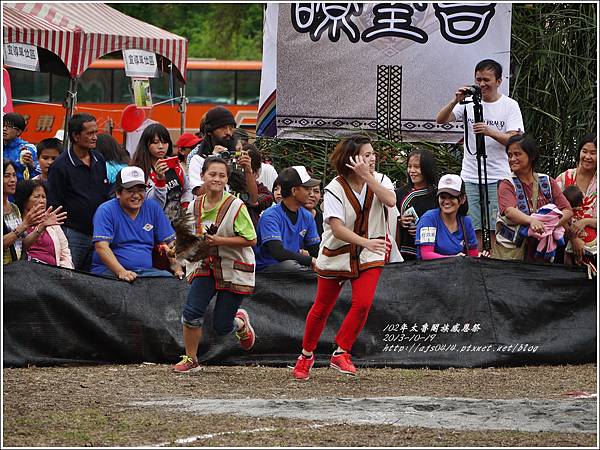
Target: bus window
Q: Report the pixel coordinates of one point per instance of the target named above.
(121, 87)
(210, 86)
(248, 87)
(28, 85)
(59, 88)
(92, 87)
(161, 88)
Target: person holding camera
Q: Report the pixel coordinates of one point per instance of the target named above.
(217, 127)
(19, 151)
(502, 119)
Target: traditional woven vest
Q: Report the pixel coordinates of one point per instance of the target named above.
(233, 267)
(339, 258)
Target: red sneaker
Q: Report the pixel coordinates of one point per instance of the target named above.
(302, 368)
(343, 363)
(186, 364)
(246, 334)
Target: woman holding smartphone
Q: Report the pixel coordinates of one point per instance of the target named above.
(166, 182)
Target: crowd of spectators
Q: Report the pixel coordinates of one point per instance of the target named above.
(95, 209)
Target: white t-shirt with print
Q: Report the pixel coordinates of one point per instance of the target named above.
(505, 115)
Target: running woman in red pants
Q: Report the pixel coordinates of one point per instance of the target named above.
(353, 247)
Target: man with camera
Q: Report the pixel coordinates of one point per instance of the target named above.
(217, 128)
(501, 120)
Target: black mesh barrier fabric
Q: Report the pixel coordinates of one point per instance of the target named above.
(455, 312)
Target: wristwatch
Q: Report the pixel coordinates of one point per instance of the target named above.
(22, 234)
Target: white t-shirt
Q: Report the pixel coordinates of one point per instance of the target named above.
(195, 171)
(505, 115)
(267, 175)
(333, 207)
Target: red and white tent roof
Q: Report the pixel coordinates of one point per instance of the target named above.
(79, 33)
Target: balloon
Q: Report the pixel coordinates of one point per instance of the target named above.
(132, 117)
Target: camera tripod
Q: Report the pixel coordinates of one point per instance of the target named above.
(484, 202)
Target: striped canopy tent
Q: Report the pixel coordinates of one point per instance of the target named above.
(70, 36)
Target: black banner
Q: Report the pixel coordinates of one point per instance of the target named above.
(455, 312)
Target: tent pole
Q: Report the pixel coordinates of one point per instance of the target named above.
(69, 105)
(182, 109)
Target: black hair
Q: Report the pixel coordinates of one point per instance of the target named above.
(586, 139)
(76, 123)
(15, 119)
(490, 64)
(48, 143)
(214, 159)
(527, 143)
(255, 157)
(24, 190)
(141, 157)
(6, 163)
(345, 148)
(574, 195)
(429, 168)
(111, 150)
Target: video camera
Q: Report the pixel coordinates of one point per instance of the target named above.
(473, 91)
(226, 155)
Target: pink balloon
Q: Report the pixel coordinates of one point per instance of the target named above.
(132, 117)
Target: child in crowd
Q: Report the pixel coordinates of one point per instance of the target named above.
(277, 192)
(227, 269)
(47, 151)
(575, 197)
(115, 155)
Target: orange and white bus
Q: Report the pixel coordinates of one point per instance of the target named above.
(104, 91)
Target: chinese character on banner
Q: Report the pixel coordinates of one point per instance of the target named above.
(395, 20)
(7, 105)
(140, 64)
(464, 23)
(21, 56)
(315, 18)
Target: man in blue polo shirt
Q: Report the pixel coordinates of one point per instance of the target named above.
(77, 180)
(127, 228)
(287, 233)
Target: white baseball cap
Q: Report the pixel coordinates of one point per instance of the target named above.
(130, 176)
(451, 184)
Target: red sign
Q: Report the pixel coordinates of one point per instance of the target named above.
(7, 105)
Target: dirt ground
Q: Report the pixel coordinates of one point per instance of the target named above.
(96, 405)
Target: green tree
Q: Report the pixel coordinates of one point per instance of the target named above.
(213, 30)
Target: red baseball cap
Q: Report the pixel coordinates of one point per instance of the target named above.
(187, 140)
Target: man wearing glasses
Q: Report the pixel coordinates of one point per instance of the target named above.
(127, 228)
(21, 152)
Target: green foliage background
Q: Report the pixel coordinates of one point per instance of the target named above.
(553, 77)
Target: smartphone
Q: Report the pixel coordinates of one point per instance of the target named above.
(172, 162)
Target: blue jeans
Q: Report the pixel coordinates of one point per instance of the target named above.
(81, 247)
(474, 208)
(199, 296)
(144, 273)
